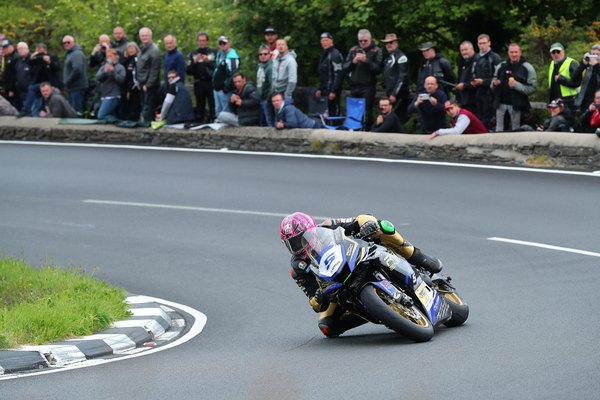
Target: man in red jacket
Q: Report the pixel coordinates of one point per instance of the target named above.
(462, 121)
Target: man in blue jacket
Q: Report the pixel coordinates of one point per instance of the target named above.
(289, 116)
(430, 104)
(173, 59)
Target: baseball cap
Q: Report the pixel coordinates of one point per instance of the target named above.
(556, 46)
(270, 29)
(6, 42)
(326, 35)
(223, 39)
(556, 103)
(449, 104)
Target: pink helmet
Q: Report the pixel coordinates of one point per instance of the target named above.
(291, 230)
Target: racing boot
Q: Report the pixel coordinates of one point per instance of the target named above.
(333, 326)
(431, 264)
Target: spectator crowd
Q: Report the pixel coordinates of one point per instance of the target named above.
(484, 94)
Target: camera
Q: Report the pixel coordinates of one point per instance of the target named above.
(360, 51)
(109, 62)
(425, 96)
(591, 56)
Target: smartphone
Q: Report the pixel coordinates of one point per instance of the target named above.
(597, 105)
(425, 96)
(109, 62)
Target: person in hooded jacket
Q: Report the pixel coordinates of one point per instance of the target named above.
(331, 73)
(110, 76)
(55, 105)
(228, 63)
(363, 64)
(263, 85)
(514, 81)
(285, 70)
(74, 73)
(288, 116)
(435, 64)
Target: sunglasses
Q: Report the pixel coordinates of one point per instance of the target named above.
(263, 54)
(222, 43)
(364, 40)
(171, 77)
(555, 51)
(67, 42)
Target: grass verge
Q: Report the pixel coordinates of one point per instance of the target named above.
(40, 305)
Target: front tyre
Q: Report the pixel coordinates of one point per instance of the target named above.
(460, 309)
(407, 321)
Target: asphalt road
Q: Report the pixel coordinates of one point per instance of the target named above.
(533, 329)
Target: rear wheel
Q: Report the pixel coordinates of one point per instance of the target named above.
(460, 309)
(407, 321)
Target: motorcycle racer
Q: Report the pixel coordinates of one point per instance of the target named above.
(333, 320)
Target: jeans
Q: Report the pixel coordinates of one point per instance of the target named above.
(266, 114)
(108, 108)
(33, 93)
(149, 103)
(515, 117)
(221, 101)
(228, 118)
(75, 100)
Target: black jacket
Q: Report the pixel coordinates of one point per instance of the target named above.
(22, 75)
(519, 101)
(396, 74)
(130, 64)
(485, 67)
(593, 83)
(466, 97)
(331, 73)
(201, 71)
(390, 124)
(249, 112)
(364, 74)
(9, 74)
(439, 67)
(41, 71)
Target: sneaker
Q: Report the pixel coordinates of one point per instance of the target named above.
(23, 113)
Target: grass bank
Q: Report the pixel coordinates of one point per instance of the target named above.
(39, 305)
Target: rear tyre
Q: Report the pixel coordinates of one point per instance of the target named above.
(407, 321)
(460, 309)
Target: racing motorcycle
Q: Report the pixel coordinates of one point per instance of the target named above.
(380, 286)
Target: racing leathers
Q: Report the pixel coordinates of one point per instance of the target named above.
(333, 320)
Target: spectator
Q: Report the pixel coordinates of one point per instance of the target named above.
(8, 70)
(462, 121)
(22, 75)
(396, 75)
(263, 85)
(271, 37)
(430, 104)
(559, 77)
(331, 74)
(173, 59)
(6, 108)
(201, 65)
(561, 120)
(148, 74)
(590, 119)
(435, 64)
(587, 76)
(131, 103)
(228, 63)
(465, 92)
(74, 73)
(387, 121)
(514, 81)
(285, 70)
(121, 40)
(177, 107)
(288, 116)
(45, 67)
(110, 76)
(244, 104)
(485, 66)
(98, 56)
(363, 63)
(2, 37)
(55, 105)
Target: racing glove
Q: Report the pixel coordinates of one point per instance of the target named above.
(322, 300)
(368, 228)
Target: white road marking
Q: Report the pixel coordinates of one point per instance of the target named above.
(205, 209)
(199, 323)
(545, 246)
(261, 153)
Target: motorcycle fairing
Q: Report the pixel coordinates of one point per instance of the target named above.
(389, 288)
(429, 298)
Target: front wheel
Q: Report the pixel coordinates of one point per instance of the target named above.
(460, 309)
(407, 321)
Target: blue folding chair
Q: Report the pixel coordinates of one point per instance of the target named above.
(354, 121)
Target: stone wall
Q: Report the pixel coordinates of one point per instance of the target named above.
(548, 149)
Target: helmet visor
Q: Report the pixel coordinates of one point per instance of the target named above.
(294, 244)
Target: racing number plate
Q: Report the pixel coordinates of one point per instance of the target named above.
(424, 294)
